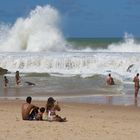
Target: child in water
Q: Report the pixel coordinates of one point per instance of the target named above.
(6, 81)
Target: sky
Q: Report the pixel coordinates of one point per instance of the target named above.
(83, 18)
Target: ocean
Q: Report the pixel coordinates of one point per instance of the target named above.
(70, 69)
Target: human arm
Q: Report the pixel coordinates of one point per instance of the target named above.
(56, 106)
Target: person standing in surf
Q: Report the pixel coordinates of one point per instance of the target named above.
(6, 81)
(110, 80)
(18, 78)
(136, 84)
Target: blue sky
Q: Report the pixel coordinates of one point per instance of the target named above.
(83, 18)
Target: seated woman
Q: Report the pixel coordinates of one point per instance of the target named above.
(51, 108)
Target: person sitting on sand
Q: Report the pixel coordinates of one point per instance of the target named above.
(51, 107)
(39, 115)
(6, 81)
(18, 78)
(29, 111)
(110, 80)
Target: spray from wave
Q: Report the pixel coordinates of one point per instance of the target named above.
(38, 32)
(128, 45)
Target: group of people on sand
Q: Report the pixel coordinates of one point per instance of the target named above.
(17, 79)
(32, 112)
(110, 81)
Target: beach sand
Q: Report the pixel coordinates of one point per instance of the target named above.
(85, 122)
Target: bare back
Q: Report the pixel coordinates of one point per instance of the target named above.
(136, 81)
(26, 109)
(110, 81)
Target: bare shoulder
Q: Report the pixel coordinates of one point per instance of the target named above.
(26, 105)
(57, 107)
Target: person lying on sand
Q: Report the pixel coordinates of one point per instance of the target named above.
(51, 107)
(29, 111)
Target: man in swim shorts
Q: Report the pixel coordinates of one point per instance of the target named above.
(29, 110)
(110, 80)
(136, 84)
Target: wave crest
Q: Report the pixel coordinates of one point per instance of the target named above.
(128, 45)
(39, 31)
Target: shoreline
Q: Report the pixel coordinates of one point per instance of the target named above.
(115, 100)
(85, 121)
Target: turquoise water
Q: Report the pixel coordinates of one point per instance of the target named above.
(94, 43)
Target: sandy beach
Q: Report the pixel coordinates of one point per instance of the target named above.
(66, 50)
(85, 122)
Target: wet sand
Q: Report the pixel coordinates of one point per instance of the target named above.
(85, 122)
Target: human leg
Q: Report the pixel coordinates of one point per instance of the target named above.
(60, 119)
(136, 91)
(33, 114)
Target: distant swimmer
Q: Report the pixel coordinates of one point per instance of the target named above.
(30, 83)
(6, 81)
(136, 84)
(110, 80)
(129, 68)
(18, 78)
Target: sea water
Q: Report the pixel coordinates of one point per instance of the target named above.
(71, 69)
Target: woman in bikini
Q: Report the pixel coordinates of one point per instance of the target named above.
(51, 108)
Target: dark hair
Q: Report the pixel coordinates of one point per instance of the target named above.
(28, 99)
(5, 77)
(109, 74)
(137, 74)
(50, 103)
(17, 72)
(51, 100)
(42, 109)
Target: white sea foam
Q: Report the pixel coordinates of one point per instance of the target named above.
(70, 64)
(128, 45)
(38, 32)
